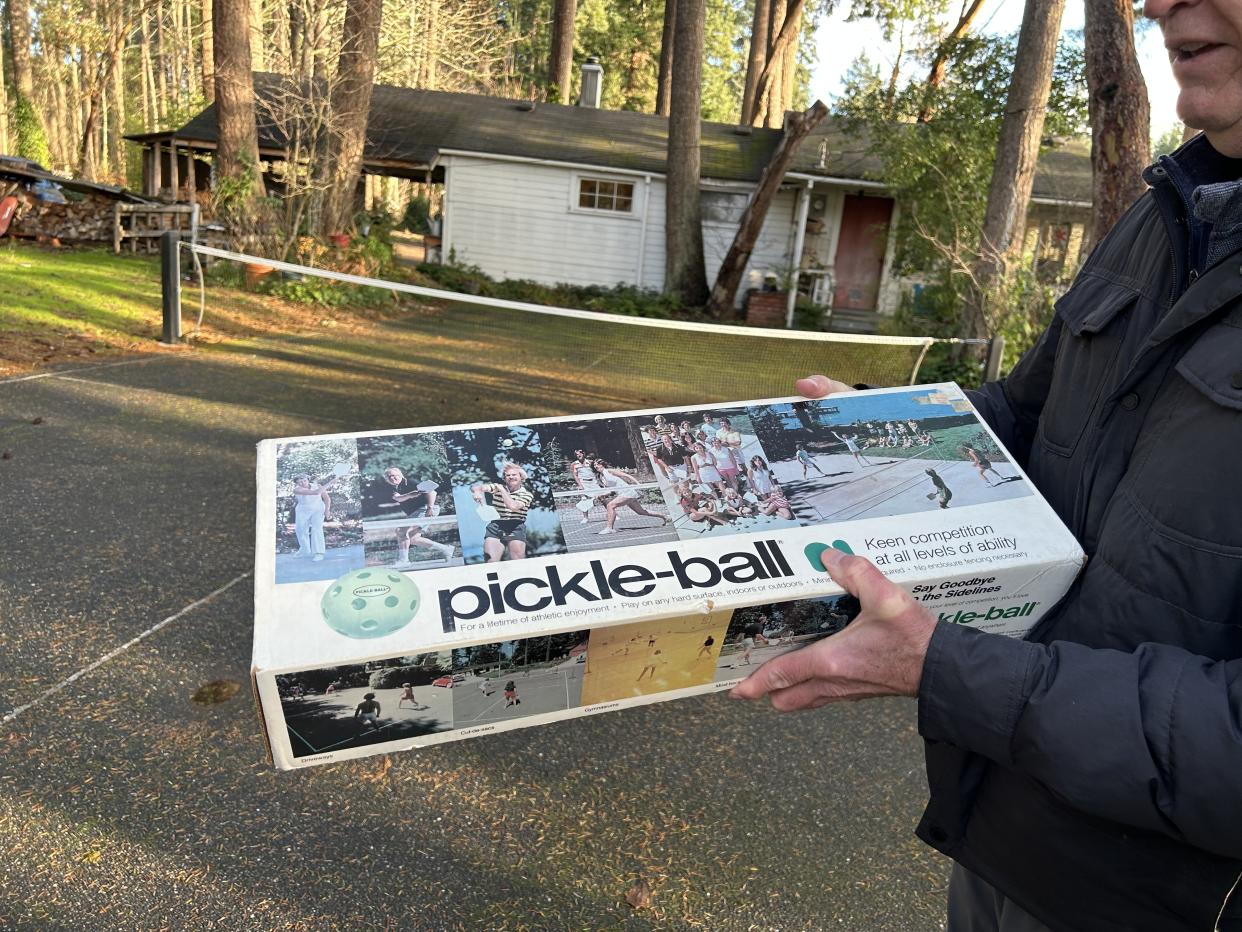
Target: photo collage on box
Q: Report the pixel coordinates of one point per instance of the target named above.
(404, 698)
(446, 498)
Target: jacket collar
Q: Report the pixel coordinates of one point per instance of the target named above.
(1208, 192)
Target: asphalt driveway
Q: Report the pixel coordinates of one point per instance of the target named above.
(125, 803)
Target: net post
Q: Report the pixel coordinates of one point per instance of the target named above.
(996, 352)
(170, 285)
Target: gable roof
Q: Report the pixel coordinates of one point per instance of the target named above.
(409, 127)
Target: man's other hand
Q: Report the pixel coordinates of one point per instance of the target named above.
(880, 653)
(818, 386)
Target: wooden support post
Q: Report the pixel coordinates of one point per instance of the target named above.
(157, 169)
(191, 182)
(173, 175)
(996, 353)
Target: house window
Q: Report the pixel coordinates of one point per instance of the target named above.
(597, 194)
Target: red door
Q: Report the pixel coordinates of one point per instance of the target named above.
(860, 252)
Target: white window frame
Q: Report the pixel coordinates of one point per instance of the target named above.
(575, 192)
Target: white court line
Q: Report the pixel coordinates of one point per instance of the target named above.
(13, 713)
(63, 372)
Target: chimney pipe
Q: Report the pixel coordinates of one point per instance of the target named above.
(592, 83)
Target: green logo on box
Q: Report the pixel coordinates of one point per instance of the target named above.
(815, 550)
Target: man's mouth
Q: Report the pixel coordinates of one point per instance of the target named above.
(1190, 50)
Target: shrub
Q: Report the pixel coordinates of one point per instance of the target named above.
(619, 299)
(417, 216)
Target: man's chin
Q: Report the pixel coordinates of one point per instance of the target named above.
(1200, 110)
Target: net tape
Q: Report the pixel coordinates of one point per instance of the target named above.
(647, 360)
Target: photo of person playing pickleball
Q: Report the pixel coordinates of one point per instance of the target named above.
(511, 499)
(407, 496)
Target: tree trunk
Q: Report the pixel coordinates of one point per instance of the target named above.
(935, 77)
(784, 28)
(258, 57)
(433, 45)
(772, 78)
(161, 65)
(19, 36)
(561, 59)
(789, 68)
(684, 275)
(664, 87)
(757, 58)
(30, 132)
(1120, 114)
(237, 158)
(4, 107)
(1016, 151)
(116, 144)
(207, 55)
(77, 118)
(89, 147)
(724, 292)
(319, 40)
(351, 104)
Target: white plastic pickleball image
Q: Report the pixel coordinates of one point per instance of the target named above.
(370, 603)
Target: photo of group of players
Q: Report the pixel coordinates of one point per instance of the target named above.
(714, 473)
(422, 500)
(867, 456)
(402, 698)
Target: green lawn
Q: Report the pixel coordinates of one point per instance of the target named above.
(86, 295)
(63, 304)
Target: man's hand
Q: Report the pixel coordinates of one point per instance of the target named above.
(818, 386)
(880, 653)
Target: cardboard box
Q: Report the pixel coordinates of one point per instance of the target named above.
(636, 570)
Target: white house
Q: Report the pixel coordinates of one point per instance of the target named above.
(576, 194)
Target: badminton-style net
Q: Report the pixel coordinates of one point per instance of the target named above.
(609, 361)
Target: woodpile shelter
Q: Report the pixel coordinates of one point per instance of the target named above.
(576, 194)
(57, 208)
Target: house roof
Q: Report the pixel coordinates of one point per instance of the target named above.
(1062, 174)
(409, 127)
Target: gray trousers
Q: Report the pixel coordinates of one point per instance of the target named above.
(977, 906)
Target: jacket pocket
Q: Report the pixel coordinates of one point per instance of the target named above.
(1185, 468)
(1086, 355)
(1214, 364)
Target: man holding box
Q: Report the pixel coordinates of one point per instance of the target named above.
(1090, 777)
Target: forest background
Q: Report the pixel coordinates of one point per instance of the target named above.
(77, 75)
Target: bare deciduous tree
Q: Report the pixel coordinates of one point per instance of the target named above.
(724, 292)
(351, 104)
(1017, 150)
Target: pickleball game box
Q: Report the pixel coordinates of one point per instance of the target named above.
(416, 587)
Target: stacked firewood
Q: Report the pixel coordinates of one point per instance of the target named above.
(85, 219)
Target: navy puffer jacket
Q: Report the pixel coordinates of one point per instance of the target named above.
(1093, 772)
